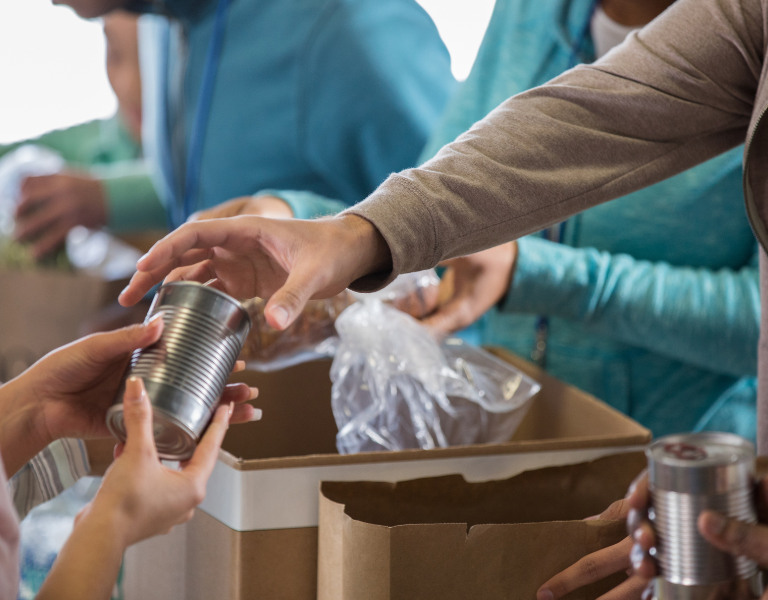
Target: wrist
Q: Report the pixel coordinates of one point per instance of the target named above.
(375, 255)
(105, 515)
(20, 436)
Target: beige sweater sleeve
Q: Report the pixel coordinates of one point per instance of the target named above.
(675, 94)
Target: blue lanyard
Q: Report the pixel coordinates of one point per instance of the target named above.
(180, 211)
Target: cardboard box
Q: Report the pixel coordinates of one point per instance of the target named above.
(446, 538)
(42, 310)
(255, 535)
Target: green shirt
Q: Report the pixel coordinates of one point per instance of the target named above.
(105, 149)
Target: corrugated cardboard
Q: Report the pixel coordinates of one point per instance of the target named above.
(449, 539)
(42, 310)
(255, 535)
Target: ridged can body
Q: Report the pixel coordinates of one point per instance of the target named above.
(186, 370)
(689, 474)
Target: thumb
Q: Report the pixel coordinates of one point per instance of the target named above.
(287, 303)
(106, 347)
(137, 413)
(736, 537)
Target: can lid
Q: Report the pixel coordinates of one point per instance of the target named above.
(701, 463)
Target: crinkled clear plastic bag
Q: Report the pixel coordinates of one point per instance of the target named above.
(313, 334)
(396, 388)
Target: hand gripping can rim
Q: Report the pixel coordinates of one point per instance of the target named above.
(186, 371)
(690, 473)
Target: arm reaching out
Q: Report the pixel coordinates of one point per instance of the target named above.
(288, 261)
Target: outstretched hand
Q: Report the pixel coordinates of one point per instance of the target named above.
(287, 261)
(67, 393)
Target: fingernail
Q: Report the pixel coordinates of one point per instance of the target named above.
(545, 594)
(256, 415)
(715, 523)
(156, 317)
(636, 555)
(231, 408)
(280, 315)
(142, 259)
(254, 394)
(133, 392)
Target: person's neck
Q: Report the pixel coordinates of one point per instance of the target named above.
(634, 13)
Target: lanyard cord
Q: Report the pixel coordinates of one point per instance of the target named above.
(557, 233)
(181, 211)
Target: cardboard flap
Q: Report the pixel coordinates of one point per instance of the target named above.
(551, 494)
(445, 538)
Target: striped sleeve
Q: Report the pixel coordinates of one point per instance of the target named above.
(48, 474)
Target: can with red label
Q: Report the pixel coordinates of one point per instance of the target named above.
(688, 474)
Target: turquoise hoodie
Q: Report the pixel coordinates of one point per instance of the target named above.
(329, 96)
(645, 312)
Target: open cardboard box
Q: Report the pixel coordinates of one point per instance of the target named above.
(255, 535)
(443, 537)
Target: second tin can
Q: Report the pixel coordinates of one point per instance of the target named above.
(186, 371)
(687, 475)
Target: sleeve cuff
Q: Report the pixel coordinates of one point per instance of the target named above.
(306, 205)
(56, 468)
(132, 202)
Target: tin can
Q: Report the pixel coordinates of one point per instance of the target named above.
(186, 370)
(689, 474)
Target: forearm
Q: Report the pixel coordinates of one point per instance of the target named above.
(706, 318)
(88, 565)
(19, 439)
(649, 110)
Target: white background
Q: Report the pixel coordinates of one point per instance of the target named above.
(52, 62)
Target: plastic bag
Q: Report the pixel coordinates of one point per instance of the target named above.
(395, 387)
(94, 251)
(313, 334)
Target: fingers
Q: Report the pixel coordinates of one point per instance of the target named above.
(736, 537)
(638, 495)
(200, 466)
(36, 190)
(51, 240)
(287, 303)
(589, 569)
(142, 282)
(452, 316)
(238, 393)
(103, 348)
(245, 413)
(239, 366)
(137, 414)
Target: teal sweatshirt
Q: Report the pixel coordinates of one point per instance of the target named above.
(329, 96)
(106, 150)
(644, 311)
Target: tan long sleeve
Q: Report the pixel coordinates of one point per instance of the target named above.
(675, 94)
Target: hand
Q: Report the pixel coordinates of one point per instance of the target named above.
(480, 281)
(51, 205)
(287, 261)
(597, 566)
(730, 535)
(67, 393)
(260, 206)
(145, 496)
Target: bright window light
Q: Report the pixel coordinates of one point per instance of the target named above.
(462, 25)
(52, 71)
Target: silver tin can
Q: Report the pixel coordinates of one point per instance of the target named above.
(689, 474)
(186, 371)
